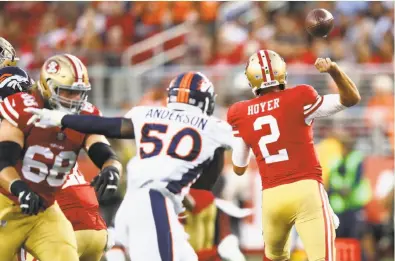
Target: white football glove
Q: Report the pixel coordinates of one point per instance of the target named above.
(44, 118)
(336, 220)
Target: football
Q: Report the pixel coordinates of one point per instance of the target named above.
(319, 22)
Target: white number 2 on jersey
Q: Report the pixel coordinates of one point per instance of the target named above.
(282, 154)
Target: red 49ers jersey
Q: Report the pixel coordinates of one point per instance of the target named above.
(78, 201)
(203, 199)
(49, 155)
(273, 126)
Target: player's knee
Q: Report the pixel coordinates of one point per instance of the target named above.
(274, 254)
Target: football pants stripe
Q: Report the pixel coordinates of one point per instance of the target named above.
(162, 225)
(22, 255)
(328, 226)
(6, 116)
(332, 225)
(315, 106)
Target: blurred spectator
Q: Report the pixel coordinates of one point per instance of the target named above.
(229, 31)
(380, 108)
(349, 190)
(328, 150)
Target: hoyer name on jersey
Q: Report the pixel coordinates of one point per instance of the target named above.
(263, 106)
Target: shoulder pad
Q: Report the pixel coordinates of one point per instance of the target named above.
(90, 109)
(304, 88)
(232, 112)
(13, 108)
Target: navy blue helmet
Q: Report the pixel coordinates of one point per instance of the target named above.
(193, 88)
(14, 80)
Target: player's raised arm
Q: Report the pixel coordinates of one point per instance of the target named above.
(317, 106)
(349, 94)
(112, 127)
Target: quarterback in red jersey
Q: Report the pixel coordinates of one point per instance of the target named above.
(277, 126)
(35, 163)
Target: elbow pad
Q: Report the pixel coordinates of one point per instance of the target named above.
(100, 152)
(10, 153)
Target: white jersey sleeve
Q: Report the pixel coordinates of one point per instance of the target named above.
(329, 105)
(241, 153)
(131, 113)
(222, 132)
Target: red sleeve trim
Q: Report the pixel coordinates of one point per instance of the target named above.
(314, 107)
(9, 113)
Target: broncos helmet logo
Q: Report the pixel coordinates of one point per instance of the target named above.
(14, 80)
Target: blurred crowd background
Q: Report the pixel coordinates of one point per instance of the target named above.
(133, 49)
(223, 33)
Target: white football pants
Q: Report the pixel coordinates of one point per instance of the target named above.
(146, 224)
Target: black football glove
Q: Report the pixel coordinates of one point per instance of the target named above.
(106, 183)
(29, 202)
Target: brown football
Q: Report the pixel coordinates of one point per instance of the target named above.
(319, 22)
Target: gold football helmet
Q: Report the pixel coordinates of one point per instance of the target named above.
(7, 54)
(64, 83)
(266, 69)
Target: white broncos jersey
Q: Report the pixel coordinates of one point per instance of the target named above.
(173, 146)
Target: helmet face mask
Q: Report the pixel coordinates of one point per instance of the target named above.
(59, 101)
(7, 54)
(266, 69)
(64, 83)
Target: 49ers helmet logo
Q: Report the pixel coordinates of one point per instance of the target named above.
(52, 67)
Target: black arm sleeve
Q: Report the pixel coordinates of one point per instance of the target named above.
(100, 152)
(10, 153)
(118, 128)
(211, 173)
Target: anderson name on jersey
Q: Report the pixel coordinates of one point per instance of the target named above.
(174, 146)
(49, 154)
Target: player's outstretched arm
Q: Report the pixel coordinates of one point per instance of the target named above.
(349, 94)
(118, 128)
(111, 127)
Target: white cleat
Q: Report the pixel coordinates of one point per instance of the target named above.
(228, 249)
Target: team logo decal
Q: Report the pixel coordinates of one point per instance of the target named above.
(52, 67)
